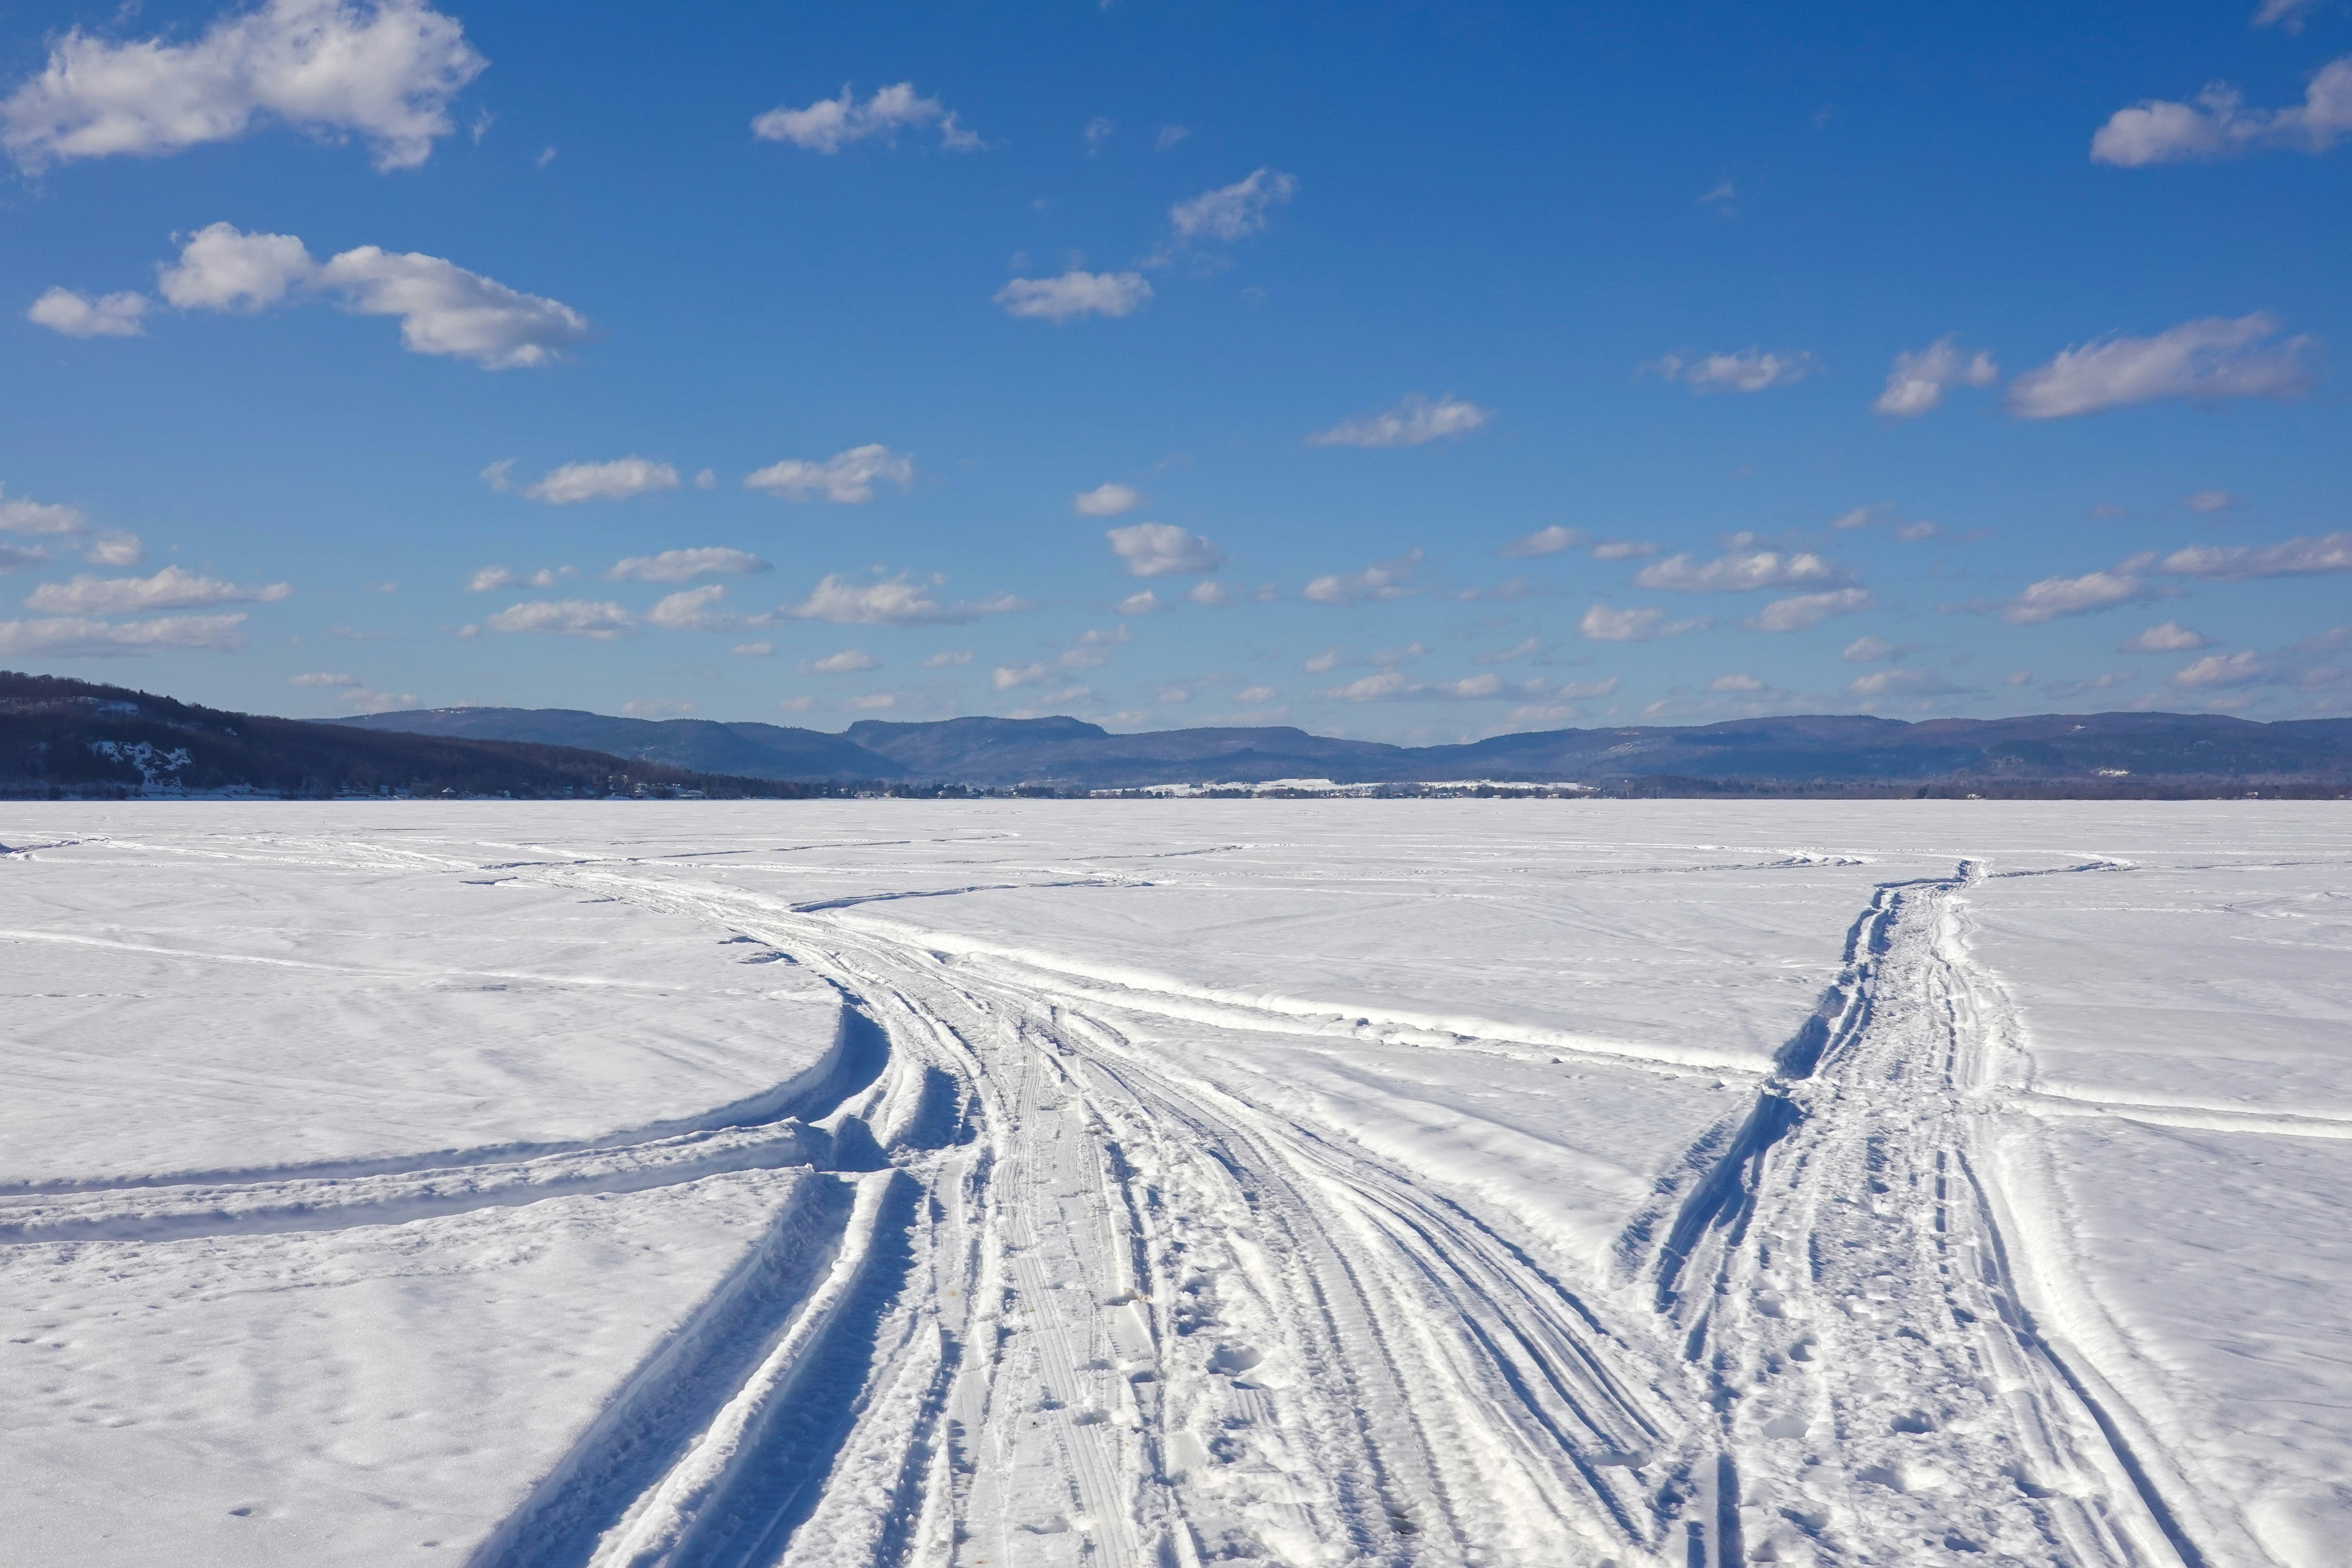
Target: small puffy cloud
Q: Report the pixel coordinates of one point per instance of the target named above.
(2216, 670)
(2169, 637)
(1527, 648)
(1381, 580)
(1549, 541)
(897, 601)
(1414, 420)
(832, 124)
(2287, 14)
(873, 700)
(1159, 549)
(752, 649)
(949, 658)
(1900, 683)
(797, 704)
(1107, 501)
(1738, 572)
(445, 310)
(848, 661)
(691, 610)
(75, 637)
(1915, 531)
(495, 475)
(1232, 212)
(1209, 592)
(1141, 604)
(386, 71)
(490, 579)
(600, 619)
(1803, 612)
(2054, 596)
(79, 316)
(1074, 293)
(660, 707)
(353, 692)
(443, 307)
(1863, 517)
(19, 558)
(1607, 623)
(1915, 385)
(1256, 694)
(2219, 125)
(221, 267)
(1395, 686)
(684, 565)
(2210, 501)
(1622, 550)
(1736, 683)
(706, 479)
(168, 589)
(115, 548)
(320, 677)
(1866, 650)
(2205, 359)
(22, 516)
(2302, 557)
(1098, 131)
(846, 477)
(616, 480)
(1754, 370)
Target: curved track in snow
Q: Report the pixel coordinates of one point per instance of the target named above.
(1047, 1294)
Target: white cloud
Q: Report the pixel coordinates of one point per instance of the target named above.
(1622, 550)
(168, 589)
(1074, 293)
(1157, 549)
(600, 619)
(19, 558)
(684, 565)
(1739, 682)
(873, 700)
(1413, 421)
(1915, 385)
(386, 71)
(1232, 212)
(1915, 531)
(1606, 622)
(221, 267)
(848, 478)
(1542, 542)
(115, 548)
(1169, 136)
(73, 636)
(1209, 592)
(2212, 358)
(2218, 125)
(949, 658)
(848, 661)
(616, 480)
(321, 678)
(21, 516)
(892, 601)
(1141, 604)
(660, 707)
(2054, 596)
(2302, 557)
(2169, 637)
(495, 475)
(1256, 694)
(79, 316)
(2284, 13)
(443, 307)
(832, 124)
(1866, 650)
(1098, 131)
(1739, 571)
(1526, 649)
(1395, 686)
(2210, 501)
(797, 704)
(490, 579)
(1754, 370)
(1803, 612)
(1107, 501)
(752, 649)
(2239, 668)
(691, 610)
(706, 479)
(1381, 580)
(353, 692)
(1900, 683)
(445, 310)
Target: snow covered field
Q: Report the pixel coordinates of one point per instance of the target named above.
(1162, 1183)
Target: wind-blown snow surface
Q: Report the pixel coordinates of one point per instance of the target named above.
(1497, 1182)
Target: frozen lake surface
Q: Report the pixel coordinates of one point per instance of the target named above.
(1503, 1182)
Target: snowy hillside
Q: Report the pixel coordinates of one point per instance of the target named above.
(1119, 1183)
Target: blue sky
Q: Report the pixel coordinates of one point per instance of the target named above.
(1415, 372)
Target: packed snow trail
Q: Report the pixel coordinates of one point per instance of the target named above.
(1048, 1287)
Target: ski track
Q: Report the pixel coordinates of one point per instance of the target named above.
(1044, 1296)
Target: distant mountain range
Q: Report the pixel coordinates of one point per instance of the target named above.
(2101, 752)
(72, 737)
